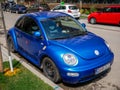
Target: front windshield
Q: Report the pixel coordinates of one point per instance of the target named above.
(62, 28)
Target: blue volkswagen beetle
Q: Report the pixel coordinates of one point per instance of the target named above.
(61, 46)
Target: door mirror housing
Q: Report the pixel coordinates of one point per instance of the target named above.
(37, 34)
(84, 25)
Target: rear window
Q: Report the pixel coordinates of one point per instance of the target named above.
(73, 7)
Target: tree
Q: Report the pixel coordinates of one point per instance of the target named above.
(1, 61)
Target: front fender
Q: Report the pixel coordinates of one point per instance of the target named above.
(11, 33)
(56, 54)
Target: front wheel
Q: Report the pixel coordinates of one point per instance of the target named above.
(119, 23)
(92, 20)
(50, 70)
(17, 12)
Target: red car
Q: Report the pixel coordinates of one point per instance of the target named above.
(109, 15)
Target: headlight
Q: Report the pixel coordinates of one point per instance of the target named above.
(70, 59)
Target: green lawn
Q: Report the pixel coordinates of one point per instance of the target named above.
(23, 80)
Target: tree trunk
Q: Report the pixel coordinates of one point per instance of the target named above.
(1, 61)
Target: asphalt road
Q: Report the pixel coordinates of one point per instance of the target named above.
(111, 34)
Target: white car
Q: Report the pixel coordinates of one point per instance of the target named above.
(70, 9)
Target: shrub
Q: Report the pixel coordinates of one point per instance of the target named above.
(87, 11)
(93, 9)
(81, 11)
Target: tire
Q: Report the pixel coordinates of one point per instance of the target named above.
(77, 18)
(92, 20)
(119, 24)
(11, 45)
(17, 12)
(27, 11)
(7, 10)
(50, 70)
(10, 11)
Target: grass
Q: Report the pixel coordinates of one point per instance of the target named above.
(22, 80)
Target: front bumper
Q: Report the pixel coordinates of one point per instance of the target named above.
(80, 75)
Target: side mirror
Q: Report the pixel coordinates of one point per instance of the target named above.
(37, 34)
(84, 25)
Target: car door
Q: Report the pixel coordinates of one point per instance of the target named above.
(115, 15)
(102, 16)
(106, 16)
(111, 16)
(33, 8)
(30, 45)
(13, 8)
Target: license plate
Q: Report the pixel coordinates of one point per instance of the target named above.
(103, 68)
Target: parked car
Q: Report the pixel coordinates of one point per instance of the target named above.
(17, 8)
(7, 5)
(61, 46)
(70, 9)
(38, 7)
(109, 15)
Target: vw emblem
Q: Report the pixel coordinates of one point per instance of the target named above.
(96, 52)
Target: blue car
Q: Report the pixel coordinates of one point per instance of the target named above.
(61, 46)
(17, 8)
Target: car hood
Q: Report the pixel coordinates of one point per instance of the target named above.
(88, 46)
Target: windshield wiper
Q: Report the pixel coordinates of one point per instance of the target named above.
(82, 33)
(59, 38)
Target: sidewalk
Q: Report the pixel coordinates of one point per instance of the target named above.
(1, 24)
(2, 38)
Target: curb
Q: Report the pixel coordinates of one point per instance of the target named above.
(37, 73)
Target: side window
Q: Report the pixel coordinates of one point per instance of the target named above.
(57, 8)
(19, 23)
(107, 10)
(27, 25)
(30, 26)
(63, 7)
(117, 9)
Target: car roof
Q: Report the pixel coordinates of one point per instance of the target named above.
(45, 14)
(113, 6)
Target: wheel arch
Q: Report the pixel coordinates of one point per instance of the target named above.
(91, 18)
(42, 67)
(44, 56)
(41, 60)
(11, 34)
(119, 23)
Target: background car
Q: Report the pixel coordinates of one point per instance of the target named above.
(60, 46)
(17, 8)
(7, 5)
(109, 15)
(38, 7)
(70, 9)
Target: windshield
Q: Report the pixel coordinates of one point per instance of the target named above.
(73, 7)
(62, 28)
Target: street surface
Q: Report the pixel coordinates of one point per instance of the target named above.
(110, 33)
